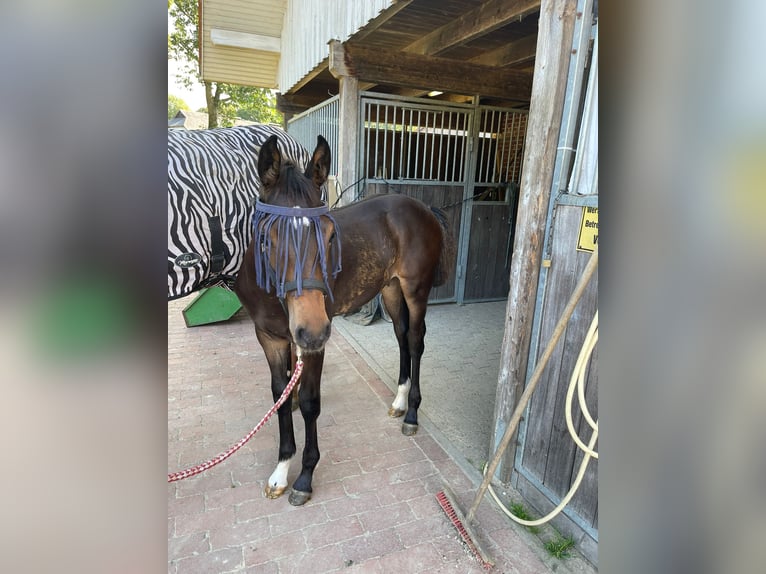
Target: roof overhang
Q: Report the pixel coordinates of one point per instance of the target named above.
(240, 41)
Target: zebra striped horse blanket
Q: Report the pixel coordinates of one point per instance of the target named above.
(212, 187)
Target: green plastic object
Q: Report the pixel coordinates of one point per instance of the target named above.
(212, 305)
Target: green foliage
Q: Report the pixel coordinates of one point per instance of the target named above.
(228, 101)
(519, 511)
(183, 41)
(559, 546)
(252, 104)
(175, 104)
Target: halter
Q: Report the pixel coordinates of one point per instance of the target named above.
(290, 223)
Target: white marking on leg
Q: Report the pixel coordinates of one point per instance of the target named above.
(400, 402)
(278, 478)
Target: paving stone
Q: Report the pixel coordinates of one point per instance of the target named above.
(373, 508)
(369, 546)
(333, 532)
(224, 560)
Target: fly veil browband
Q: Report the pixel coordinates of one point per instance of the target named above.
(290, 223)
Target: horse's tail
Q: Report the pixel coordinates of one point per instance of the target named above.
(447, 257)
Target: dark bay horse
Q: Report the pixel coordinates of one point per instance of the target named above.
(307, 264)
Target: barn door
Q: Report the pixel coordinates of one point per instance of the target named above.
(496, 154)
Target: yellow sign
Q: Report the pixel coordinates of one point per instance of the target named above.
(588, 230)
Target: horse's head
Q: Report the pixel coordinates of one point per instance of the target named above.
(299, 251)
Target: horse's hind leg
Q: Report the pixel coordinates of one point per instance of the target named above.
(400, 318)
(416, 300)
(310, 405)
(277, 353)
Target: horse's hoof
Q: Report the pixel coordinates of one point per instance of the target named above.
(395, 413)
(299, 498)
(274, 492)
(409, 429)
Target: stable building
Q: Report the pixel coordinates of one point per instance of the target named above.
(487, 109)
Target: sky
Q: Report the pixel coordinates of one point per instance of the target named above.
(194, 97)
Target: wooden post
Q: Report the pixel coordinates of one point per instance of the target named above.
(554, 42)
(348, 121)
(348, 137)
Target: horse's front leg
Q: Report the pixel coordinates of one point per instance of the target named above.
(277, 353)
(310, 405)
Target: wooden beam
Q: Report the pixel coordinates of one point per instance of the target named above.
(517, 52)
(293, 104)
(305, 80)
(382, 18)
(554, 43)
(427, 72)
(336, 61)
(488, 17)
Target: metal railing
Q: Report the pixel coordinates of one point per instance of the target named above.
(500, 146)
(322, 119)
(415, 140)
(410, 141)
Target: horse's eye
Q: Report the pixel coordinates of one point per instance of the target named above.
(332, 237)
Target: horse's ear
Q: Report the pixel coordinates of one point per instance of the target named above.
(319, 166)
(269, 161)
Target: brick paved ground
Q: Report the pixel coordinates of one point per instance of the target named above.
(373, 508)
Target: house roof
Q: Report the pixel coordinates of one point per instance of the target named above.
(188, 120)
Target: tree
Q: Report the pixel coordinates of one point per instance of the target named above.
(226, 100)
(254, 104)
(175, 104)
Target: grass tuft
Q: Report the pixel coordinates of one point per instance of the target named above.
(519, 511)
(559, 546)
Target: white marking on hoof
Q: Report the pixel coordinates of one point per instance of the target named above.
(277, 483)
(400, 402)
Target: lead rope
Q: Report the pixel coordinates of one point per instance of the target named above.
(194, 470)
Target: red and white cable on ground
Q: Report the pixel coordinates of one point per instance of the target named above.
(194, 470)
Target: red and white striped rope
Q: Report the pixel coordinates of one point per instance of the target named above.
(194, 470)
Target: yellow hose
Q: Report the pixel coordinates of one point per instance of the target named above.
(577, 381)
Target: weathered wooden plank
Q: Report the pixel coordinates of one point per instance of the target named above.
(482, 20)
(554, 42)
(427, 72)
(549, 453)
(560, 282)
(560, 461)
(516, 52)
(565, 525)
(382, 18)
(585, 501)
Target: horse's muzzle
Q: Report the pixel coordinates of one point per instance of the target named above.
(309, 324)
(311, 341)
